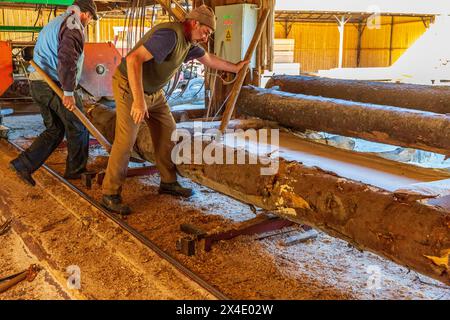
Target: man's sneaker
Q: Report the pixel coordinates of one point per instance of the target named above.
(175, 189)
(114, 204)
(24, 175)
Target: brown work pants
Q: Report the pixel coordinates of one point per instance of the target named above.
(161, 124)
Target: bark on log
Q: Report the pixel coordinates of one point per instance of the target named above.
(414, 234)
(384, 124)
(184, 115)
(411, 96)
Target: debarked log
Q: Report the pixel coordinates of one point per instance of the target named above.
(410, 96)
(385, 124)
(415, 234)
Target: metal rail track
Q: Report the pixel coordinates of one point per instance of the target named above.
(144, 240)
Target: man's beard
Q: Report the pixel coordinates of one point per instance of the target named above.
(188, 32)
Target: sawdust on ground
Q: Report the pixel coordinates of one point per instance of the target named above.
(247, 268)
(53, 227)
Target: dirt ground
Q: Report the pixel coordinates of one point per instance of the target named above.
(242, 268)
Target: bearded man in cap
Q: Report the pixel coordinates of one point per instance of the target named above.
(59, 53)
(137, 87)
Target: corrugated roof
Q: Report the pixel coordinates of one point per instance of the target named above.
(433, 7)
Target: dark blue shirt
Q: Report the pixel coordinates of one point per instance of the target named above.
(162, 43)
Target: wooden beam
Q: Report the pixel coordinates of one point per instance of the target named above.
(391, 40)
(361, 28)
(178, 12)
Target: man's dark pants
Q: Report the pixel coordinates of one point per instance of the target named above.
(58, 121)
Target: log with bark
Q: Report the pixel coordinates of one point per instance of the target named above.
(411, 96)
(385, 124)
(414, 233)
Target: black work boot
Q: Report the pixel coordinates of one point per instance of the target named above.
(24, 175)
(74, 176)
(114, 204)
(175, 189)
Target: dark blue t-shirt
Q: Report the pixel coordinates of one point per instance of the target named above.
(162, 43)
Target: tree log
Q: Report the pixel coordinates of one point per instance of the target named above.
(184, 115)
(415, 234)
(410, 96)
(384, 124)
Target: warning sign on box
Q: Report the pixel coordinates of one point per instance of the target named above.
(228, 35)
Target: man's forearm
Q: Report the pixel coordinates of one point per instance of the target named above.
(214, 62)
(134, 69)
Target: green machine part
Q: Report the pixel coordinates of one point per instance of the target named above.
(19, 29)
(48, 2)
(27, 28)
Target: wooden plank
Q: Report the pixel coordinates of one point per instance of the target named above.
(284, 45)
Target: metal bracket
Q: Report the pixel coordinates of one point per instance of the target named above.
(197, 236)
